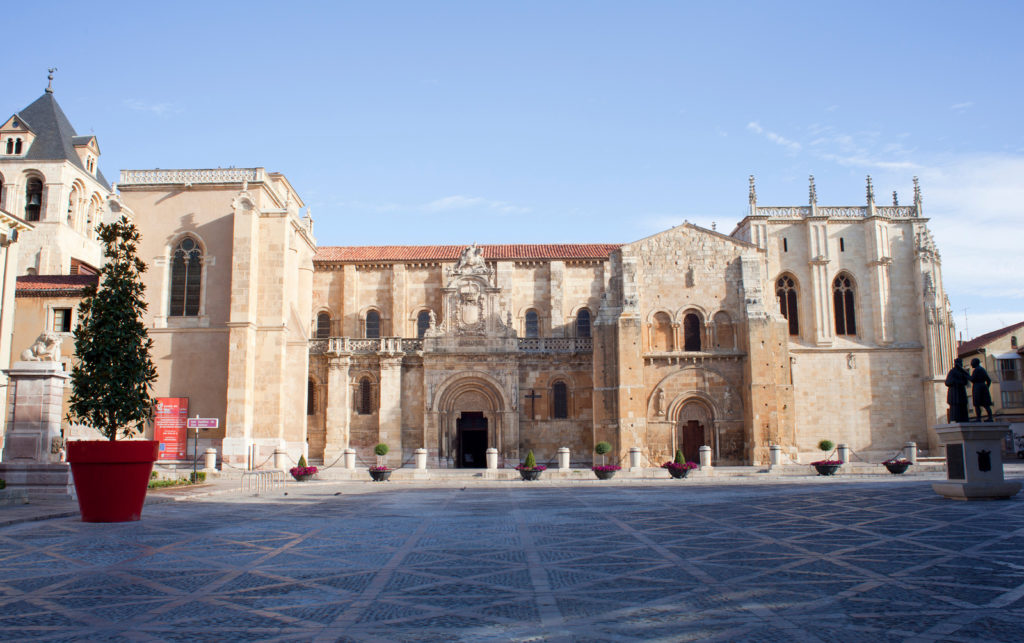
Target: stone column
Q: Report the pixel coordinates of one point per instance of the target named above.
(843, 452)
(634, 458)
(338, 412)
(350, 458)
(910, 449)
(421, 459)
(390, 412)
(774, 455)
(705, 457)
(563, 457)
(492, 458)
(210, 460)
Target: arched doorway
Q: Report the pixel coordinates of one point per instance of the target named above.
(471, 417)
(693, 426)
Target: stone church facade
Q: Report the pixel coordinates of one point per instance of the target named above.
(804, 323)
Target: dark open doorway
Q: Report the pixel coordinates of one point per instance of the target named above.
(472, 438)
(692, 439)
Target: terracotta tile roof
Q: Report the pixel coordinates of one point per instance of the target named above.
(52, 285)
(451, 253)
(965, 348)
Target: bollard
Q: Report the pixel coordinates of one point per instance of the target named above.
(775, 455)
(280, 459)
(705, 456)
(843, 452)
(910, 449)
(563, 457)
(492, 458)
(421, 458)
(210, 459)
(634, 458)
(350, 458)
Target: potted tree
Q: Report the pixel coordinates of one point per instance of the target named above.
(379, 472)
(679, 467)
(604, 471)
(303, 471)
(111, 383)
(828, 466)
(529, 469)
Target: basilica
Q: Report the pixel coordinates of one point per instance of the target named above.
(805, 322)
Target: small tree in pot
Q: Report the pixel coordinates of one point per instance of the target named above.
(603, 471)
(111, 383)
(380, 472)
(828, 466)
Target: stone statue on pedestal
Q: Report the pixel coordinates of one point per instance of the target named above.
(956, 381)
(979, 391)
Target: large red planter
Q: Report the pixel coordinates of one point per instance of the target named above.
(111, 477)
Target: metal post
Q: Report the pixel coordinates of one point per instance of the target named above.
(195, 451)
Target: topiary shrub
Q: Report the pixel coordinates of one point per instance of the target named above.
(602, 448)
(302, 461)
(826, 445)
(531, 462)
(680, 458)
(381, 449)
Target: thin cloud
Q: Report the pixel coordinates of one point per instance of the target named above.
(792, 146)
(959, 107)
(462, 202)
(160, 109)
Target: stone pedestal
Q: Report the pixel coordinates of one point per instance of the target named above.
(33, 444)
(634, 458)
(350, 458)
(563, 457)
(910, 451)
(774, 455)
(843, 451)
(974, 461)
(705, 457)
(492, 458)
(421, 459)
(210, 460)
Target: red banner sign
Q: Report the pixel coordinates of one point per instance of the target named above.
(169, 418)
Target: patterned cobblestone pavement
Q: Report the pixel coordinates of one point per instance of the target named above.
(850, 562)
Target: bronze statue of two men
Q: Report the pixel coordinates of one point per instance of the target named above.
(957, 380)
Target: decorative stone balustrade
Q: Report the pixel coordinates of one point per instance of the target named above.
(838, 212)
(336, 345)
(218, 175)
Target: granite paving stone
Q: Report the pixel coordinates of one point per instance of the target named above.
(871, 561)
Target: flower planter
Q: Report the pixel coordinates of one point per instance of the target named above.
(827, 469)
(303, 477)
(380, 476)
(678, 473)
(111, 477)
(604, 475)
(896, 468)
(530, 474)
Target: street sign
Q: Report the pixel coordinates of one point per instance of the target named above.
(203, 423)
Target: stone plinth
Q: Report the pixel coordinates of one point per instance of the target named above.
(33, 432)
(974, 461)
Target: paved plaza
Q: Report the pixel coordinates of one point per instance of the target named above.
(819, 561)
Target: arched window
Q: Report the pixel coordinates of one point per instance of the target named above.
(186, 278)
(17, 146)
(691, 332)
(365, 397)
(33, 199)
(724, 337)
(845, 309)
(583, 323)
(372, 324)
(560, 401)
(532, 323)
(10, 146)
(785, 290)
(422, 323)
(323, 326)
(662, 339)
(311, 398)
(73, 200)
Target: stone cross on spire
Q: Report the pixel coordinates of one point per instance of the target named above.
(49, 78)
(871, 191)
(812, 193)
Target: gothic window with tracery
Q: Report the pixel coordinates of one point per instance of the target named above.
(785, 290)
(532, 323)
(843, 302)
(372, 324)
(560, 400)
(583, 323)
(323, 325)
(186, 278)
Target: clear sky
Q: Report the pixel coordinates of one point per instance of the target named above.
(545, 122)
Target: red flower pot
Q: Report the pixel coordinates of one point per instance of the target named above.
(111, 477)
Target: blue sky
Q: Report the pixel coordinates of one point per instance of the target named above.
(544, 122)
